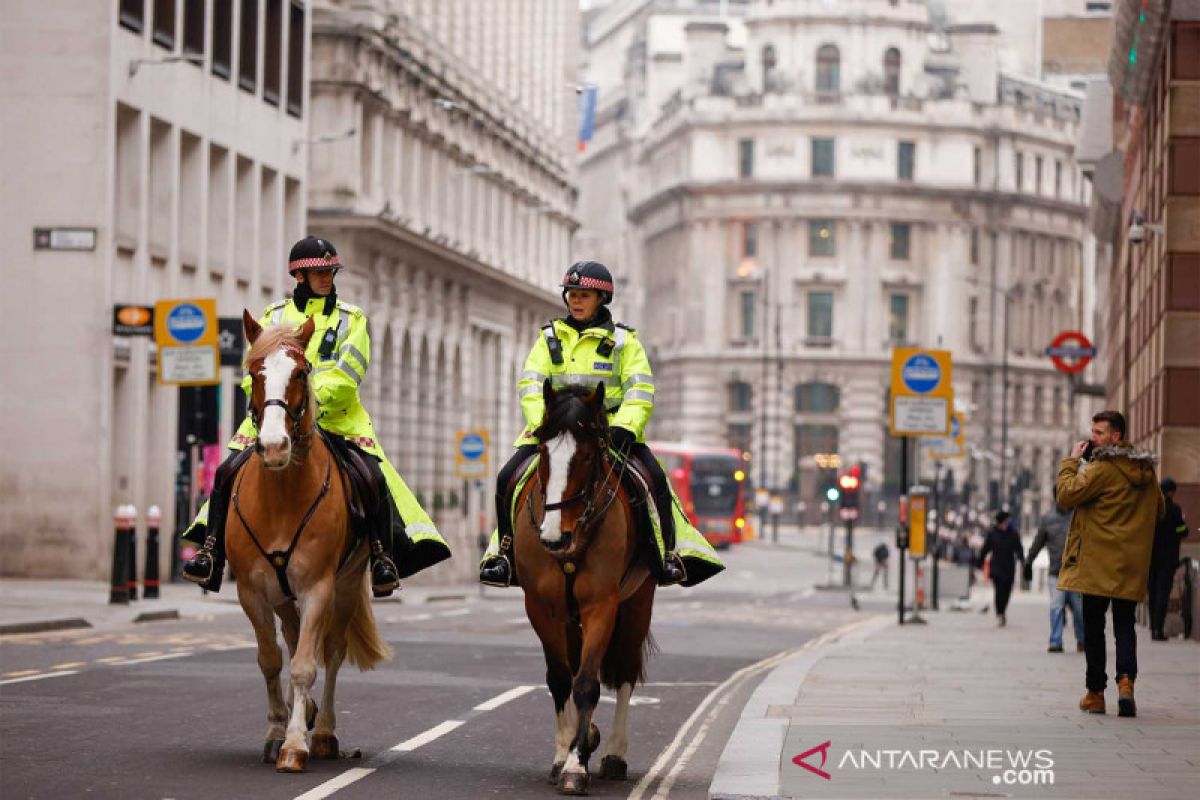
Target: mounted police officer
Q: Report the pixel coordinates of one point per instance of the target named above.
(585, 348)
(400, 531)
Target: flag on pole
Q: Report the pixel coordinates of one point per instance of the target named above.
(587, 114)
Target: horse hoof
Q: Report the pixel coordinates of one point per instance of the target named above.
(310, 712)
(575, 783)
(324, 745)
(593, 737)
(555, 771)
(291, 760)
(271, 750)
(613, 769)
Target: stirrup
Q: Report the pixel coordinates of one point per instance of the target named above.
(205, 552)
(493, 563)
(672, 559)
(391, 581)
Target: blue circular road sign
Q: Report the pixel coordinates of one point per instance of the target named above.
(921, 373)
(472, 446)
(186, 322)
(954, 427)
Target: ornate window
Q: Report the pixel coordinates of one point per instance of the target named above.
(891, 71)
(829, 67)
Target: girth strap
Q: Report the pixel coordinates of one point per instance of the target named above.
(279, 559)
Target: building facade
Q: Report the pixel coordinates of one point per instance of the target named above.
(442, 167)
(1153, 313)
(823, 182)
(168, 135)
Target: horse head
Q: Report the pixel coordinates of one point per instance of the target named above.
(573, 442)
(280, 401)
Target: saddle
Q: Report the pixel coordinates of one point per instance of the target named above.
(363, 493)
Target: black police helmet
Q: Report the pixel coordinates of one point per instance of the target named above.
(313, 252)
(589, 275)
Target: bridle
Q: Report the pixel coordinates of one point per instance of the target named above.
(300, 438)
(594, 510)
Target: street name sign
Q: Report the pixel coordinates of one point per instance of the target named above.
(922, 392)
(185, 332)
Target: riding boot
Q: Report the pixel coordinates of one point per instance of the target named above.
(672, 571)
(385, 578)
(207, 567)
(497, 570)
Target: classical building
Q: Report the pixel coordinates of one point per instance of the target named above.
(442, 167)
(1153, 308)
(165, 142)
(807, 185)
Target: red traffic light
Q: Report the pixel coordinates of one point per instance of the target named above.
(848, 482)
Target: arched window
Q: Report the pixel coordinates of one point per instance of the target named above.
(891, 71)
(741, 396)
(829, 78)
(817, 398)
(769, 62)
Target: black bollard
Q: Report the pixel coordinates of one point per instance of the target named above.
(119, 593)
(132, 540)
(150, 577)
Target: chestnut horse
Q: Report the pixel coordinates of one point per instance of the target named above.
(588, 593)
(289, 542)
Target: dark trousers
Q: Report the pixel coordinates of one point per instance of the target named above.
(1094, 610)
(1161, 577)
(662, 491)
(1002, 586)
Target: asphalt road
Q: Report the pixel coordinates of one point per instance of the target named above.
(178, 709)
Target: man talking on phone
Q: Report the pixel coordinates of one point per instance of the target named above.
(1114, 492)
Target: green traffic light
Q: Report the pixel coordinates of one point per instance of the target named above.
(833, 494)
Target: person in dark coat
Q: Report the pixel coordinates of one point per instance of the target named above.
(1052, 535)
(1164, 558)
(1004, 544)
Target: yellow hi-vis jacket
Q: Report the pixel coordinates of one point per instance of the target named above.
(605, 353)
(336, 378)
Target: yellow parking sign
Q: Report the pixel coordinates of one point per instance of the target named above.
(185, 334)
(922, 392)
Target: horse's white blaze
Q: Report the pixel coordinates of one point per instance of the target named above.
(559, 451)
(277, 371)
(618, 739)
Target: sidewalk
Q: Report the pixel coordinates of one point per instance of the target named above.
(974, 698)
(36, 605)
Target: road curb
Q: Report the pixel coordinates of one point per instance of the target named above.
(44, 625)
(748, 768)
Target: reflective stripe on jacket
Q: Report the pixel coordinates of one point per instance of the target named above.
(611, 354)
(335, 379)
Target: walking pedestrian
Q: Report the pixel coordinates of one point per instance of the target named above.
(881, 554)
(1164, 558)
(1052, 535)
(1115, 496)
(1004, 544)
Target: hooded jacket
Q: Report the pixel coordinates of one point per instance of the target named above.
(1117, 503)
(1052, 535)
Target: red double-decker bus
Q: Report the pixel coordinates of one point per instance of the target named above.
(711, 484)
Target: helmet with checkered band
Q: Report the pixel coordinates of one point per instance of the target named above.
(313, 252)
(589, 275)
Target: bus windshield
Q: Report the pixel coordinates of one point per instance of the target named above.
(714, 487)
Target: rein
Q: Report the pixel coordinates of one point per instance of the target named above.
(279, 559)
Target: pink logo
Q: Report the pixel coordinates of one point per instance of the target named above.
(824, 750)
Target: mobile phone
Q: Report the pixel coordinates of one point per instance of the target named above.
(1087, 452)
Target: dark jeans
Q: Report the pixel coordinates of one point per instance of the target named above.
(662, 491)
(1003, 589)
(1094, 609)
(1160, 592)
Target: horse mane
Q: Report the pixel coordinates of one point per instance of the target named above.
(569, 410)
(272, 338)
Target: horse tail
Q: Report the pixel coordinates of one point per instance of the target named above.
(364, 646)
(625, 658)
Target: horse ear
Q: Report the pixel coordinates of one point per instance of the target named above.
(306, 331)
(547, 393)
(596, 400)
(252, 328)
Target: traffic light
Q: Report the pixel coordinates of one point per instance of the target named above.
(850, 485)
(832, 494)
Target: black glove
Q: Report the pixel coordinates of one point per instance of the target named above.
(622, 439)
(1027, 573)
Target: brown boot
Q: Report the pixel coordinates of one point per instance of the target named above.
(1126, 707)
(1092, 702)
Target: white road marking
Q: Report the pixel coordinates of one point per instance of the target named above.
(501, 699)
(333, 784)
(679, 683)
(147, 660)
(516, 620)
(417, 618)
(636, 700)
(43, 676)
(458, 612)
(428, 736)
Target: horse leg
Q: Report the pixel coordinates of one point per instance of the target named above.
(315, 608)
(623, 669)
(324, 739)
(558, 679)
(270, 662)
(598, 621)
(289, 619)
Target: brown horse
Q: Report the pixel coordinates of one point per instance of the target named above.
(588, 593)
(289, 542)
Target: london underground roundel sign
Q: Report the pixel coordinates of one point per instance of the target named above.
(1071, 352)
